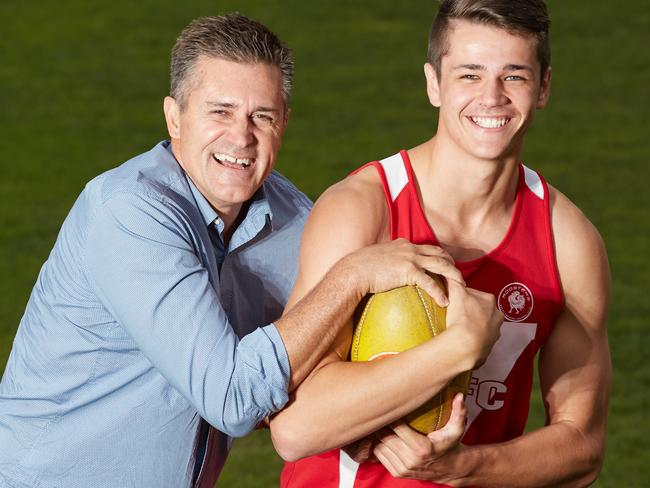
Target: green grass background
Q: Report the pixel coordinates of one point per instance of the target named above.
(81, 84)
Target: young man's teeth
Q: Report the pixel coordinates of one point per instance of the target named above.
(490, 122)
(245, 162)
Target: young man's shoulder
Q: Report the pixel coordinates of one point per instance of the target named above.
(357, 202)
(580, 249)
(569, 221)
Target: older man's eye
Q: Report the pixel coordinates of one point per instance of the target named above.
(263, 119)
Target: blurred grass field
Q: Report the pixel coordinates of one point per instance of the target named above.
(81, 84)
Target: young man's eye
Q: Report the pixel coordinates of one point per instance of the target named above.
(469, 77)
(515, 78)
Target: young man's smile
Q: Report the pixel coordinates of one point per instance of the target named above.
(488, 88)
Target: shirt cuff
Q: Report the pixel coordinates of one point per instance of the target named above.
(281, 352)
(272, 363)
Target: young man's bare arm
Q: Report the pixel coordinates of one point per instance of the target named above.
(335, 277)
(575, 371)
(341, 401)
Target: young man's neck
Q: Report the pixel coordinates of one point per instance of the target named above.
(468, 201)
(452, 176)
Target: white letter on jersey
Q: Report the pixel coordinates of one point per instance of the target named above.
(486, 392)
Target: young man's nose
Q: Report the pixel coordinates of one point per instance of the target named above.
(493, 93)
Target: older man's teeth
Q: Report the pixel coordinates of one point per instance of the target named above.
(245, 162)
(490, 122)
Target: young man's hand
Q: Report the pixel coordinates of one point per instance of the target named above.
(473, 314)
(406, 453)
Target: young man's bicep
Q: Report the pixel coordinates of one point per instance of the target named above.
(336, 227)
(575, 366)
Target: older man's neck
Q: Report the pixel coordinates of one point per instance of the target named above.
(232, 217)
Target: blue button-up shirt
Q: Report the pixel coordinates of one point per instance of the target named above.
(140, 323)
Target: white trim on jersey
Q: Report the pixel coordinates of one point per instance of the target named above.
(534, 182)
(347, 470)
(489, 378)
(395, 174)
(487, 381)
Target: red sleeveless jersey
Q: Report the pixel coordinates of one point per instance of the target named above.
(522, 274)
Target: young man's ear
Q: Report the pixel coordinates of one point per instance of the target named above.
(544, 89)
(433, 85)
(172, 117)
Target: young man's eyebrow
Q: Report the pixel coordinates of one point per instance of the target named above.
(470, 66)
(481, 67)
(517, 67)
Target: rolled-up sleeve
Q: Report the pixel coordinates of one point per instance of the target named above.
(142, 259)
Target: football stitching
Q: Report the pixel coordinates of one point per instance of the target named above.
(438, 396)
(426, 309)
(357, 334)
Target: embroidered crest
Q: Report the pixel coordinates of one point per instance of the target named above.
(515, 302)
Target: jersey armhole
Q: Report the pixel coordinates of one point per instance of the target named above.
(385, 188)
(550, 241)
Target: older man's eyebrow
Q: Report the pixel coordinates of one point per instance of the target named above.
(220, 104)
(231, 105)
(267, 109)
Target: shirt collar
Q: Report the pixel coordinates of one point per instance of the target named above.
(208, 213)
(258, 215)
(262, 202)
(259, 212)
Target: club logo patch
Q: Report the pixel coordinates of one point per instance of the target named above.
(515, 302)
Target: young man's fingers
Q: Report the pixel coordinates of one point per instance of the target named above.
(390, 460)
(449, 436)
(415, 441)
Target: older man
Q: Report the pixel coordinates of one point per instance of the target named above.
(143, 319)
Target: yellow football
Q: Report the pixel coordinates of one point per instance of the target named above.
(394, 321)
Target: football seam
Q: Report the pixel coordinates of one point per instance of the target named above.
(427, 311)
(357, 334)
(437, 396)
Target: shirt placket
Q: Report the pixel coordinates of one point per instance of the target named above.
(212, 444)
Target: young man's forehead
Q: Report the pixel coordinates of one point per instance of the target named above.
(456, 25)
(468, 37)
(483, 67)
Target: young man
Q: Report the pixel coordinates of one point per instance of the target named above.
(511, 235)
(143, 321)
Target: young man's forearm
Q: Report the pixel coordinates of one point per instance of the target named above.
(558, 455)
(343, 401)
(311, 325)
